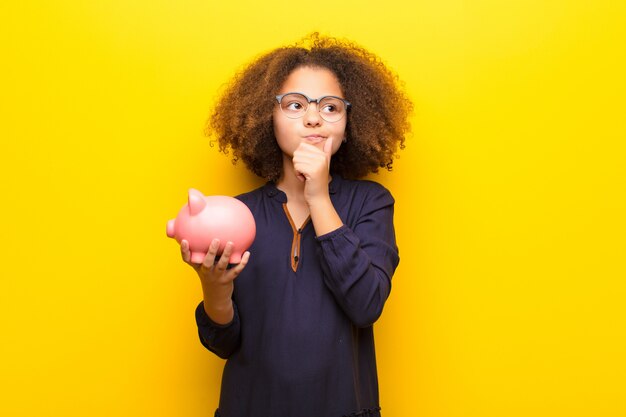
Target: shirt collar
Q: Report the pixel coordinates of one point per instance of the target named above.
(273, 192)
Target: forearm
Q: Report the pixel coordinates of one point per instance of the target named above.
(220, 339)
(324, 216)
(360, 283)
(218, 304)
(359, 259)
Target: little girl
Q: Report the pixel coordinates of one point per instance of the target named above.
(295, 318)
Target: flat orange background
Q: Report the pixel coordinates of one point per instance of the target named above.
(511, 201)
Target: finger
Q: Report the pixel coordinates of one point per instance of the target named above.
(307, 149)
(300, 169)
(313, 154)
(209, 259)
(184, 251)
(328, 148)
(311, 167)
(304, 146)
(241, 265)
(222, 264)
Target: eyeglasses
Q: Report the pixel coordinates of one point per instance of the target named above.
(295, 105)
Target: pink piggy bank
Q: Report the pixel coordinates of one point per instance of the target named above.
(206, 218)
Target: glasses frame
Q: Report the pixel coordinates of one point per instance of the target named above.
(279, 99)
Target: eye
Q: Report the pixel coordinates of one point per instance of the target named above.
(329, 108)
(294, 105)
(331, 105)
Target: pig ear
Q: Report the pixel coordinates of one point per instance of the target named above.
(196, 201)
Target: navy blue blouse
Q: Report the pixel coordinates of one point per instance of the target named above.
(301, 343)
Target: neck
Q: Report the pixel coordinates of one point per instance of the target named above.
(289, 181)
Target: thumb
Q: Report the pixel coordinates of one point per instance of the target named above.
(328, 148)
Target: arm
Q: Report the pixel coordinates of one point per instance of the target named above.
(312, 166)
(216, 316)
(221, 339)
(358, 263)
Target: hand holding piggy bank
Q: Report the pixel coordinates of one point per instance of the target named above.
(206, 218)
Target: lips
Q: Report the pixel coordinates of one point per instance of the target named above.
(315, 138)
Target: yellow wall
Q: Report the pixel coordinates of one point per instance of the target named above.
(511, 195)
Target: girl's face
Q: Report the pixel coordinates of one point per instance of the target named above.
(314, 82)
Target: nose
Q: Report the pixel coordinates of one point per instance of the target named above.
(312, 116)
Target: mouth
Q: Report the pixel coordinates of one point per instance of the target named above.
(315, 138)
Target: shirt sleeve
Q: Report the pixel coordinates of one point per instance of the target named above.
(221, 339)
(358, 262)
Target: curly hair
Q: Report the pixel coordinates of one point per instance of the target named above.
(377, 121)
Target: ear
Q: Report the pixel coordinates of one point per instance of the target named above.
(196, 202)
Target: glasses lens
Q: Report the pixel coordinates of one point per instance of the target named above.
(294, 105)
(332, 109)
